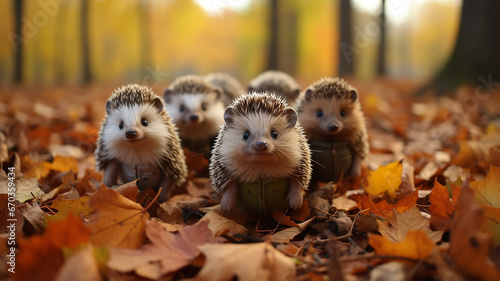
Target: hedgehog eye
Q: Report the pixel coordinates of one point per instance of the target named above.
(121, 125)
(204, 107)
(144, 122)
(319, 113)
(342, 113)
(182, 108)
(274, 134)
(246, 135)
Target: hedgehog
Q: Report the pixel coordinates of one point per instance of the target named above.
(137, 140)
(231, 88)
(260, 141)
(197, 108)
(330, 113)
(277, 82)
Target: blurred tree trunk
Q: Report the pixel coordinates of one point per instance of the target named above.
(18, 50)
(272, 59)
(382, 44)
(84, 25)
(287, 52)
(145, 23)
(476, 57)
(346, 42)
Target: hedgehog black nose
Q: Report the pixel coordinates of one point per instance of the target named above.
(261, 146)
(194, 117)
(333, 127)
(130, 134)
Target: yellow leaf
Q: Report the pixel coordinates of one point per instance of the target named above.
(76, 206)
(416, 245)
(488, 190)
(385, 178)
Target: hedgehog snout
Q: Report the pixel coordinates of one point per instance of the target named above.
(261, 146)
(333, 127)
(130, 134)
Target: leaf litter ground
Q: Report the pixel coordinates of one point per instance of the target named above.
(425, 207)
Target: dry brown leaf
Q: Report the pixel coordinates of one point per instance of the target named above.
(246, 262)
(469, 246)
(396, 227)
(34, 215)
(67, 184)
(128, 190)
(78, 207)
(117, 221)
(221, 223)
(344, 203)
(167, 252)
(284, 236)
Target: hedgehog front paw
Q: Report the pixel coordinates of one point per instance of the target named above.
(229, 198)
(295, 195)
(295, 201)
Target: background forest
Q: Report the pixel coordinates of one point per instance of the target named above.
(148, 41)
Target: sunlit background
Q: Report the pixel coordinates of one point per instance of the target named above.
(155, 41)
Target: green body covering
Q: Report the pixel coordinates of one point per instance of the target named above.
(330, 159)
(264, 197)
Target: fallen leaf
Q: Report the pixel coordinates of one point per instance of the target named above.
(385, 178)
(81, 266)
(128, 190)
(416, 245)
(34, 216)
(281, 218)
(488, 190)
(284, 236)
(27, 188)
(167, 252)
(246, 262)
(344, 203)
(382, 208)
(117, 221)
(302, 213)
(171, 212)
(60, 163)
(469, 246)
(194, 160)
(41, 256)
(442, 206)
(67, 184)
(221, 223)
(78, 206)
(396, 227)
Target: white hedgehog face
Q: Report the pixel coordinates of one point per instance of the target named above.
(135, 134)
(331, 118)
(198, 116)
(260, 145)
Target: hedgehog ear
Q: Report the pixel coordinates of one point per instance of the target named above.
(108, 107)
(251, 89)
(228, 115)
(218, 92)
(167, 95)
(309, 94)
(295, 93)
(353, 94)
(158, 104)
(291, 117)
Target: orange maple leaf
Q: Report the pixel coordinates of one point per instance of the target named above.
(442, 206)
(41, 257)
(488, 190)
(382, 208)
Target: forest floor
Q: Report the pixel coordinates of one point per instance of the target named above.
(426, 207)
